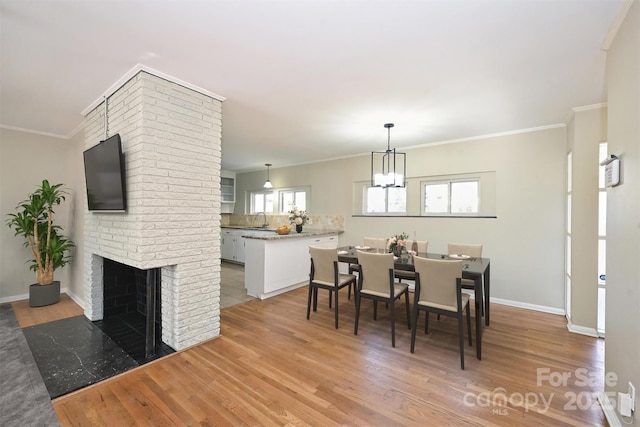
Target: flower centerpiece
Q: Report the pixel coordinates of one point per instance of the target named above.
(299, 218)
(398, 243)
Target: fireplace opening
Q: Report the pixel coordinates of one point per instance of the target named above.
(127, 320)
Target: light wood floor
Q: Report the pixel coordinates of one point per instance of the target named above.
(271, 366)
(30, 316)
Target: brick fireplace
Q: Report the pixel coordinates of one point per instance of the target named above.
(171, 138)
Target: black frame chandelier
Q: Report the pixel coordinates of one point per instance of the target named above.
(388, 168)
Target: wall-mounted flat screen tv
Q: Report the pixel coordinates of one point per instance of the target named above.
(105, 176)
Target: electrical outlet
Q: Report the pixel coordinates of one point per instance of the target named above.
(624, 404)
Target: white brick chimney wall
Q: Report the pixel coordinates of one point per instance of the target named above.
(171, 138)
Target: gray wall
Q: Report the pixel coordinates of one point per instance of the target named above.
(587, 130)
(25, 160)
(622, 351)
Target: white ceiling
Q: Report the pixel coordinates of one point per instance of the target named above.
(310, 80)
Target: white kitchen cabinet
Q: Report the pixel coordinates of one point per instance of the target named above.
(227, 191)
(240, 242)
(228, 251)
(325, 241)
(232, 245)
(275, 266)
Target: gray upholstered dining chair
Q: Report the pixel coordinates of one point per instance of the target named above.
(377, 243)
(473, 251)
(376, 282)
(423, 245)
(324, 275)
(438, 290)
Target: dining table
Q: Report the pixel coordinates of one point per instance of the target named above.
(476, 269)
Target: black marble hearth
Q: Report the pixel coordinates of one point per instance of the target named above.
(73, 353)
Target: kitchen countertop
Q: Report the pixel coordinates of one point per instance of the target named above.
(272, 235)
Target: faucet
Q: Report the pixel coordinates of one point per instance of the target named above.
(265, 223)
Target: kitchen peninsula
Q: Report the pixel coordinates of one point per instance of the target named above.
(275, 264)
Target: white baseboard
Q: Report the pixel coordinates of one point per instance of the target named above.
(263, 296)
(22, 297)
(14, 298)
(534, 307)
(582, 330)
(74, 297)
(609, 410)
(518, 304)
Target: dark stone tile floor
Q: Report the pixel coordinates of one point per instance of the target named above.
(73, 353)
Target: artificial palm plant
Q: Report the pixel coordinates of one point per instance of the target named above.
(34, 221)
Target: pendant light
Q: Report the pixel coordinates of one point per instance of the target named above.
(388, 168)
(267, 183)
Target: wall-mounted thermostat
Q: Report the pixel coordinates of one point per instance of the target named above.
(611, 171)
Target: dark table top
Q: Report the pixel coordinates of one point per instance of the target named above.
(471, 266)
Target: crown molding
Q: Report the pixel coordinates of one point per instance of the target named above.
(135, 70)
(35, 132)
(76, 130)
(490, 135)
(411, 147)
(589, 107)
(572, 112)
(615, 26)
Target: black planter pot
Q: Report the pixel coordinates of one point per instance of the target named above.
(40, 295)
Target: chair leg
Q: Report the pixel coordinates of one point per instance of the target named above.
(336, 308)
(375, 310)
(330, 298)
(461, 339)
(426, 323)
(469, 323)
(406, 301)
(355, 295)
(349, 292)
(486, 301)
(309, 301)
(483, 297)
(315, 299)
(415, 328)
(393, 322)
(355, 328)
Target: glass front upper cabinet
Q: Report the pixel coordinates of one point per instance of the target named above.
(228, 187)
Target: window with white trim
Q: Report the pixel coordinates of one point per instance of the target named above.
(262, 201)
(291, 198)
(389, 200)
(602, 240)
(453, 197)
(567, 274)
